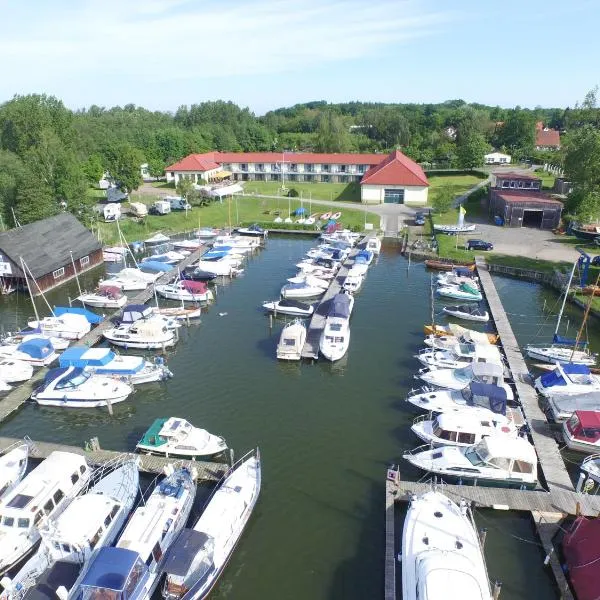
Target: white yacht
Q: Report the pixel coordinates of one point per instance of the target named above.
(13, 370)
(75, 388)
(488, 396)
(199, 556)
(291, 342)
(68, 326)
(186, 290)
(461, 355)
(301, 290)
(287, 306)
(14, 339)
(310, 280)
(92, 520)
(105, 297)
(335, 338)
(441, 551)
(176, 437)
(493, 461)
(457, 379)
(561, 354)
(146, 334)
(103, 361)
(42, 495)
(13, 464)
(567, 380)
(463, 427)
(223, 266)
(374, 245)
(353, 281)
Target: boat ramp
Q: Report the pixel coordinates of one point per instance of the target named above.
(548, 506)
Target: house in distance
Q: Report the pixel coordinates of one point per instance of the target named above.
(54, 249)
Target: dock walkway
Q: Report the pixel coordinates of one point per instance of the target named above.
(206, 471)
(15, 399)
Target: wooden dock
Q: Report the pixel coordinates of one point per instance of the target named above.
(390, 541)
(15, 399)
(206, 471)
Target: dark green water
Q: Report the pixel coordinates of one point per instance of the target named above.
(326, 432)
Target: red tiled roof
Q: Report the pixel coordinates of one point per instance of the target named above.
(547, 137)
(396, 169)
(526, 196)
(514, 175)
(209, 160)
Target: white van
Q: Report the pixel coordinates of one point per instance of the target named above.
(177, 203)
(112, 212)
(161, 207)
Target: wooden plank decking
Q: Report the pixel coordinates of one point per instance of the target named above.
(390, 543)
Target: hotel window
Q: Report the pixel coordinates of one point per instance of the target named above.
(342, 168)
(309, 168)
(294, 168)
(58, 273)
(260, 167)
(85, 260)
(325, 168)
(244, 167)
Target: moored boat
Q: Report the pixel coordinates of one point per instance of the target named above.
(68, 326)
(467, 312)
(37, 351)
(185, 290)
(13, 464)
(106, 297)
(440, 265)
(291, 341)
(288, 306)
(463, 291)
(582, 431)
(145, 334)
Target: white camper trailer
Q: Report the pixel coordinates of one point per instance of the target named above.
(112, 212)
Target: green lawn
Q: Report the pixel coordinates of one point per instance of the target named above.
(524, 262)
(547, 179)
(347, 192)
(243, 210)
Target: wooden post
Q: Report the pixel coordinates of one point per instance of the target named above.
(270, 321)
(109, 406)
(482, 535)
(497, 590)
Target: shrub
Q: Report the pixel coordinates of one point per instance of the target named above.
(293, 193)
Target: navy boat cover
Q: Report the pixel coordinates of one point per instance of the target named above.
(340, 306)
(487, 395)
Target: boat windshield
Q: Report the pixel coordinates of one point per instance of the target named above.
(463, 375)
(73, 382)
(466, 393)
(472, 455)
(98, 593)
(466, 349)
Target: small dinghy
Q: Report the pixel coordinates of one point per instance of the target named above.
(178, 312)
(292, 341)
(175, 437)
(454, 229)
(157, 238)
(288, 306)
(467, 312)
(460, 292)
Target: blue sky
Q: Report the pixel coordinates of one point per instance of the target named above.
(270, 53)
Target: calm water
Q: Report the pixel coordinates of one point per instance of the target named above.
(326, 432)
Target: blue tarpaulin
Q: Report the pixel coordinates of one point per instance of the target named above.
(155, 266)
(37, 348)
(91, 317)
(559, 339)
(340, 306)
(487, 395)
(299, 211)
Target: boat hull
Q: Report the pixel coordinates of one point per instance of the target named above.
(294, 312)
(467, 316)
(142, 345)
(78, 402)
(547, 357)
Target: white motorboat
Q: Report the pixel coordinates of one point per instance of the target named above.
(457, 276)
(457, 379)
(180, 313)
(477, 395)
(92, 520)
(493, 461)
(301, 290)
(43, 494)
(374, 245)
(13, 370)
(189, 245)
(562, 407)
(441, 551)
(568, 380)
(186, 290)
(207, 233)
(132, 569)
(73, 387)
(157, 238)
(462, 427)
(137, 313)
(130, 279)
(287, 306)
(13, 464)
(37, 351)
(354, 280)
(335, 339)
(463, 291)
(14, 339)
(103, 361)
(111, 257)
(454, 229)
(170, 258)
(311, 281)
(176, 437)
(68, 326)
(467, 312)
(460, 356)
(120, 250)
(316, 271)
(590, 469)
(223, 267)
(105, 297)
(145, 334)
(199, 556)
(292, 341)
(582, 431)
(254, 230)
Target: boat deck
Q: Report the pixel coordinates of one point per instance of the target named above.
(206, 471)
(20, 394)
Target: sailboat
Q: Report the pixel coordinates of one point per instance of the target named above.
(563, 350)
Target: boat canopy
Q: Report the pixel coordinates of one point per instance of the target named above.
(80, 356)
(135, 312)
(559, 339)
(485, 369)
(568, 404)
(365, 254)
(340, 306)
(184, 550)
(291, 303)
(111, 568)
(36, 347)
(512, 448)
(581, 549)
(110, 291)
(463, 272)
(487, 395)
(156, 266)
(61, 573)
(558, 376)
(194, 287)
(91, 317)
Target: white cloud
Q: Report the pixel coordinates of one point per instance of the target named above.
(178, 40)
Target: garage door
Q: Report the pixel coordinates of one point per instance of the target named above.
(532, 218)
(393, 196)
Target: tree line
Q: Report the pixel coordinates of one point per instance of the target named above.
(50, 155)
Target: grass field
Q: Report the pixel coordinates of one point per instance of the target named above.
(243, 210)
(347, 192)
(458, 184)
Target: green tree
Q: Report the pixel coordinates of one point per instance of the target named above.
(125, 166)
(442, 200)
(518, 133)
(93, 169)
(470, 149)
(332, 134)
(33, 200)
(156, 167)
(184, 188)
(11, 170)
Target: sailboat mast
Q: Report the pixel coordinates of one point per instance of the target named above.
(123, 240)
(75, 272)
(38, 287)
(585, 316)
(562, 308)
(37, 317)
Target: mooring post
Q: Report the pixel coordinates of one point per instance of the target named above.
(497, 590)
(482, 535)
(109, 406)
(270, 321)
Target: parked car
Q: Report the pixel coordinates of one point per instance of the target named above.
(420, 218)
(479, 245)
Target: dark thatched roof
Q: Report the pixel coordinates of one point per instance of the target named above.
(46, 245)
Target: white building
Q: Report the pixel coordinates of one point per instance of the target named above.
(496, 158)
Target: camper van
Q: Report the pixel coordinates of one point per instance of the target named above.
(160, 207)
(138, 209)
(177, 203)
(112, 212)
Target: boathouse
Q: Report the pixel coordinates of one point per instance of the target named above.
(54, 250)
(523, 208)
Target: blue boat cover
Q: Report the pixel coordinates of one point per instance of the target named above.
(91, 317)
(183, 551)
(555, 377)
(489, 396)
(365, 254)
(135, 312)
(75, 357)
(36, 348)
(340, 306)
(559, 339)
(110, 568)
(155, 266)
(463, 272)
(573, 369)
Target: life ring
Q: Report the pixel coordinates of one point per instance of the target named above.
(336, 216)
